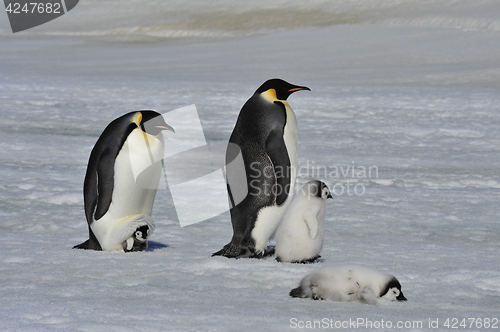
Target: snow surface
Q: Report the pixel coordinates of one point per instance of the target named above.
(407, 89)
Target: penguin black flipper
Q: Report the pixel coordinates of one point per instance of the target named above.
(277, 152)
(99, 180)
(297, 292)
(105, 182)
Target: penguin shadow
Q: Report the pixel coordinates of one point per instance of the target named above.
(314, 260)
(318, 260)
(152, 246)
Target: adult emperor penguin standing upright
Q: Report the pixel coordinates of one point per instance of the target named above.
(261, 187)
(120, 185)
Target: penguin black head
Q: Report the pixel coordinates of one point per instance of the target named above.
(152, 122)
(141, 233)
(316, 188)
(282, 88)
(325, 192)
(392, 291)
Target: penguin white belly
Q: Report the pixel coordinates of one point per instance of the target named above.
(290, 136)
(133, 194)
(269, 217)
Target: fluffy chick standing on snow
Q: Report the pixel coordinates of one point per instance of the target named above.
(299, 237)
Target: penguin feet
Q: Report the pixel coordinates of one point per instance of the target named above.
(309, 261)
(84, 245)
(242, 251)
(90, 244)
(266, 253)
(233, 251)
(132, 245)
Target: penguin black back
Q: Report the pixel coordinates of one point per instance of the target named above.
(259, 136)
(99, 178)
(260, 128)
(97, 193)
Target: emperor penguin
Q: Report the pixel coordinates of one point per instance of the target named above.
(299, 237)
(261, 187)
(349, 283)
(120, 185)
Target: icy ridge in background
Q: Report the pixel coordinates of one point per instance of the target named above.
(129, 20)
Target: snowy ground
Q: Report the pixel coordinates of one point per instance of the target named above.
(408, 87)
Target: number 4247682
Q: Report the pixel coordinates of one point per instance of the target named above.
(471, 323)
(33, 8)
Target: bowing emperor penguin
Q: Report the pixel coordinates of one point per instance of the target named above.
(349, 283)
(265, 136)
(299, 237)
(120, 185)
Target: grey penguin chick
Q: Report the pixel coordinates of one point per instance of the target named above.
(299, 237)
(349, 283)
(138, 241)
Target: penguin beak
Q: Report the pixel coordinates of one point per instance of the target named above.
(329, 196)
(165, 127)
(298, 88)
(155, 126)
(401, 297)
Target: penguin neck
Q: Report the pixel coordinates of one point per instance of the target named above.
(270, 96)
(148, 136)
